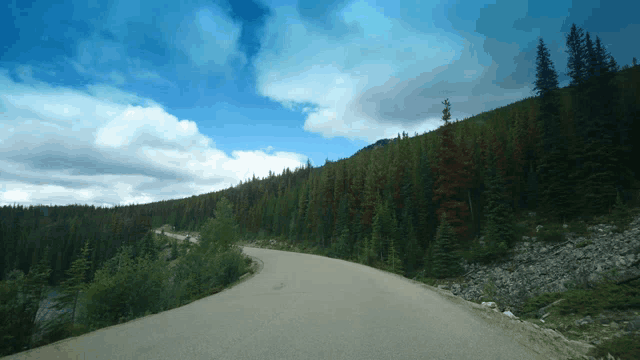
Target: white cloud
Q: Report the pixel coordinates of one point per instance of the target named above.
(310, 67)
(65, 146)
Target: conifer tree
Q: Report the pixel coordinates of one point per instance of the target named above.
(377, 234)
(427, 207)
(412, 249)
(597, 153)
(575, 47)
(590, 59)
(553, 165)
(452, 179)
(75, 283)
(499, 230)
(393, 259)
(446, 261)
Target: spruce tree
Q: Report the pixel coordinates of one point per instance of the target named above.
(590, 59)
(575, 63)
(446, 261)
(427, 208)
(499, 228)
(598, 153)
(74, 284)
(393, 259)
(553, 167)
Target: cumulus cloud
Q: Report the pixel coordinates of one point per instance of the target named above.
(67, 146)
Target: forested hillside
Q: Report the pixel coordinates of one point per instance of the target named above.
(565, 153)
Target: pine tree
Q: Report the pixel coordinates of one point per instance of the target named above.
(590, 59)
(597, 153)
(575, 47)
(634, 62)
(377, 234)
(412, 249)
(546, 76)
(75, 283)
(452, 180)
(553, 165)
(446, 261)
(427, 208)
(35, 290)
(499, 230)
(393, 260)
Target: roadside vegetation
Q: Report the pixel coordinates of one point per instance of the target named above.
(125, 288)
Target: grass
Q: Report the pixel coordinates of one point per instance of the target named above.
(581, 299)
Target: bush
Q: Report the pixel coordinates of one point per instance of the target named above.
(230, 267)
(124, 289)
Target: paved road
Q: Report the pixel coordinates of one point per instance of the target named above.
(301, 306)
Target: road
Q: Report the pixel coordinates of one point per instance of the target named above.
(176, 236)
(300, 306)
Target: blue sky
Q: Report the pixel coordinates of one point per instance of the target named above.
(123, 102)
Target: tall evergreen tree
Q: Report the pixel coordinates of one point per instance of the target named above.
(499, 230)
(597, 152)
(575, 48)
(427, 207)
(74, 284)
(590, 59)
(393, 259)
(452, 178)
(553, 167)
(446, 259)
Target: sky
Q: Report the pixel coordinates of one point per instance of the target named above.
(129, 102)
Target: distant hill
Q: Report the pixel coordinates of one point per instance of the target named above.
(377, 144)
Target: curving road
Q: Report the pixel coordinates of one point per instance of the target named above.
(300, 306)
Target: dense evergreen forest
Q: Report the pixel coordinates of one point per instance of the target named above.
(566, 153)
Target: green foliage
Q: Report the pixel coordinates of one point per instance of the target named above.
(446, 262)
(75, 283)
(394, 263)
(125, 288)
(340, 248)
(175, 252)
(221, 233)
(20, 298)
(147, 247)
(15, 328)
(412, 250)
(369, 252)
(499, 233)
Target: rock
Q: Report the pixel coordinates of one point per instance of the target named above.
(533, 268)
(547, 268)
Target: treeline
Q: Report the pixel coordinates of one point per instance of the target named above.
(26, 233)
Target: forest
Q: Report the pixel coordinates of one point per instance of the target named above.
(566, 153)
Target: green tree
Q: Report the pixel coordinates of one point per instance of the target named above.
(20, 298)
(125, 289)
(575, 49)
(499, 231)
(446, 261)
(553, 167)
(393, 260)
(74, 284)
(221, 233)
(453, 179)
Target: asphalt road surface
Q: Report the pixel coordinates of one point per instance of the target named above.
(300, 306)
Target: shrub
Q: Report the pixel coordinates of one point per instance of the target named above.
(123, 289)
